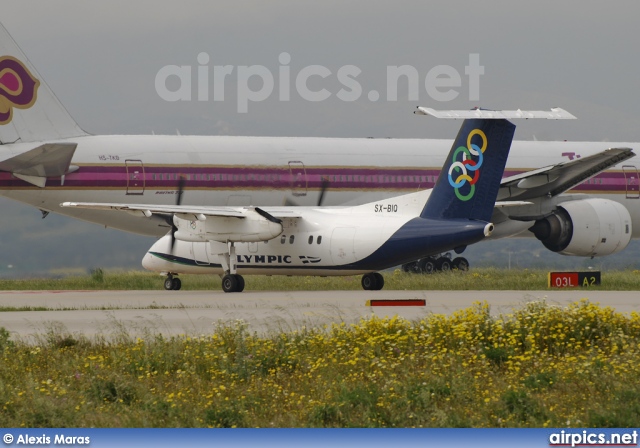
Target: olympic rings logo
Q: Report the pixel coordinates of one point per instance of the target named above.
(470, 164)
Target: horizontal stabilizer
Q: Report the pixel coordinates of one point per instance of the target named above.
(34, 180)
(49, 160)
(555, 113)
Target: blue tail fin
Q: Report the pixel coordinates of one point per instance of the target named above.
(470, 178)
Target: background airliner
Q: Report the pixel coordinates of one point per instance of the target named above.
(46, 159)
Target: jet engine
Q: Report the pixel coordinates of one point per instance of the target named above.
(585, 228)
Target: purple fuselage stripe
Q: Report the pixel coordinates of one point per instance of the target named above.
(259, 177)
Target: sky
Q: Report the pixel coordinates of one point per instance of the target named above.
(102, 59)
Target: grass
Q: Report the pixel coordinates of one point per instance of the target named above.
(539, 366)
(477, 279)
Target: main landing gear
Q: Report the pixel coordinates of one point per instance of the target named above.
(372, 282)
(172, 283)
(442, 263)
(231, 281)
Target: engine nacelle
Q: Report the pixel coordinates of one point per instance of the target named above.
(585, 228)
(251, 228)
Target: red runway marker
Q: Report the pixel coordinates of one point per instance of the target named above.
(409, 302)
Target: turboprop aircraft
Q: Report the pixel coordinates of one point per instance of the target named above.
(47, 159)
(363, 239)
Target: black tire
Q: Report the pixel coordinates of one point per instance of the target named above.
(412, 268)
(428, 265)
(229, 283)
(443, 264)
(369, 282)
(460, 263)
(168, 283)
(240, 280)
(379, 281)
(177, 284)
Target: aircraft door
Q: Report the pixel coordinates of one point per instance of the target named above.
(631, 181)
(298, 178)
(200, 254)
(342, 245)
(135, 177)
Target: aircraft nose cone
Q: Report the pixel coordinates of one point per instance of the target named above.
(148, 262)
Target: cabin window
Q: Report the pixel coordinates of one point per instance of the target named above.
(291, 239)
(283, 239)
(320, 239)
(311, 239)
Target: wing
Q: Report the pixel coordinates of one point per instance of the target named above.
(200, 224)
(197, 212)
(556, 179)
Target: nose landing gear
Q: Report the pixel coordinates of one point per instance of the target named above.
(172, 283)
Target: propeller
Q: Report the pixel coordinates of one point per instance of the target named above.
(323, 189)
(267, 216)
(324, 185)
(174, 229)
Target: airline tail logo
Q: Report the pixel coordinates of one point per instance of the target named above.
(470, 163)
(18, 88)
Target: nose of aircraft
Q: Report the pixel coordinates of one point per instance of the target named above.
(148, 262)
(153, 262)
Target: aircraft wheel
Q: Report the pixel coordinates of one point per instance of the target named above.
(168, 283)
(413, 267)
(372, 282)
(230, 283)
(369, 282)
(177, 284)
(443, 264)
(460, 263)
(240, 280)
(428, 265)
(379, 281)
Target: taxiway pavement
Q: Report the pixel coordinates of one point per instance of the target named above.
(172, 313)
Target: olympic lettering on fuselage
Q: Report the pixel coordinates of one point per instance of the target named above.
(264, 259)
